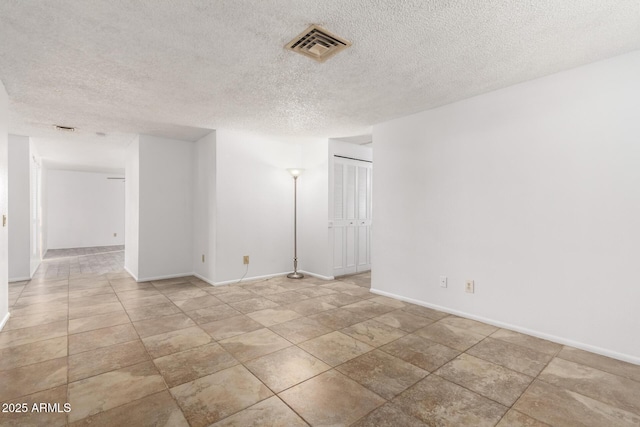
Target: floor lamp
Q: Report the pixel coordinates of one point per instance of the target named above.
(295, 173)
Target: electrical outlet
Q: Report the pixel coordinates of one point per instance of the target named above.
(469, 287)
(443, 281)
(245, 259)
(202, 257)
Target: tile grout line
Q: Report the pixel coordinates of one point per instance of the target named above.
(531, 384)
(167, 389)
(133, 364)
(241, 363)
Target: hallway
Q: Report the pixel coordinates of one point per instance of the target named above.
(70, 263)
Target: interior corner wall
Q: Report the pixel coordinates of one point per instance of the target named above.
(19, 208)
(254, 207)
(165, 222)
(532, 192)
(313, 210)
(4, 189)
(204, 208)
(44, 173)
(85, 209)
(132, 208)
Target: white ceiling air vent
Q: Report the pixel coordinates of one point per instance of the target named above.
(317, 43)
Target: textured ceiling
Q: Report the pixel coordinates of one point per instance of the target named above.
(176, 68)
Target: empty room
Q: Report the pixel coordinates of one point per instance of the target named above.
(356, 213)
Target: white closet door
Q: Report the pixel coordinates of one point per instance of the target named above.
(351, 216)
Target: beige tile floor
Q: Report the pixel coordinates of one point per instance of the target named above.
(282, 352)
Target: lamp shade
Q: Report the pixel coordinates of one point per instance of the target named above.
(295, 172)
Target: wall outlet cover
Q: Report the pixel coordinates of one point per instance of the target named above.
(443, 281)
(469, 286)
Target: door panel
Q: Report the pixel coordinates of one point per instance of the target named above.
(351, 195)
(338, 248)
(338, 192)
(363, 196)
(350, 249)
(363, 248)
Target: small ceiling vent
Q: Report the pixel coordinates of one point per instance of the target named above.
(317, 43)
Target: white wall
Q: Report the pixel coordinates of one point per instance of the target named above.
(132, 208)
(4, 263)
(239, 196)
(36, 231)
(165, 208)
(254, 205)
(204, 207)
(84, 209)
(531, 191)
(25, 209)
(19, 208)
(314, 254)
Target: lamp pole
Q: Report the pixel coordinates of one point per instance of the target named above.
(295, 275)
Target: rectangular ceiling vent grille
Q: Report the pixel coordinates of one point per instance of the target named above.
(317, 43)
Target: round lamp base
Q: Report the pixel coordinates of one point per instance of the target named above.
(295, 275)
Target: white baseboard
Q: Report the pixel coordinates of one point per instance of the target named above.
(131, 274)
(204, 279)
(31, 273)
(319, 276)
(226, 282)
(33, 270)
(560, 340)
(5, 320)
(168, 276)
(248, 279)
